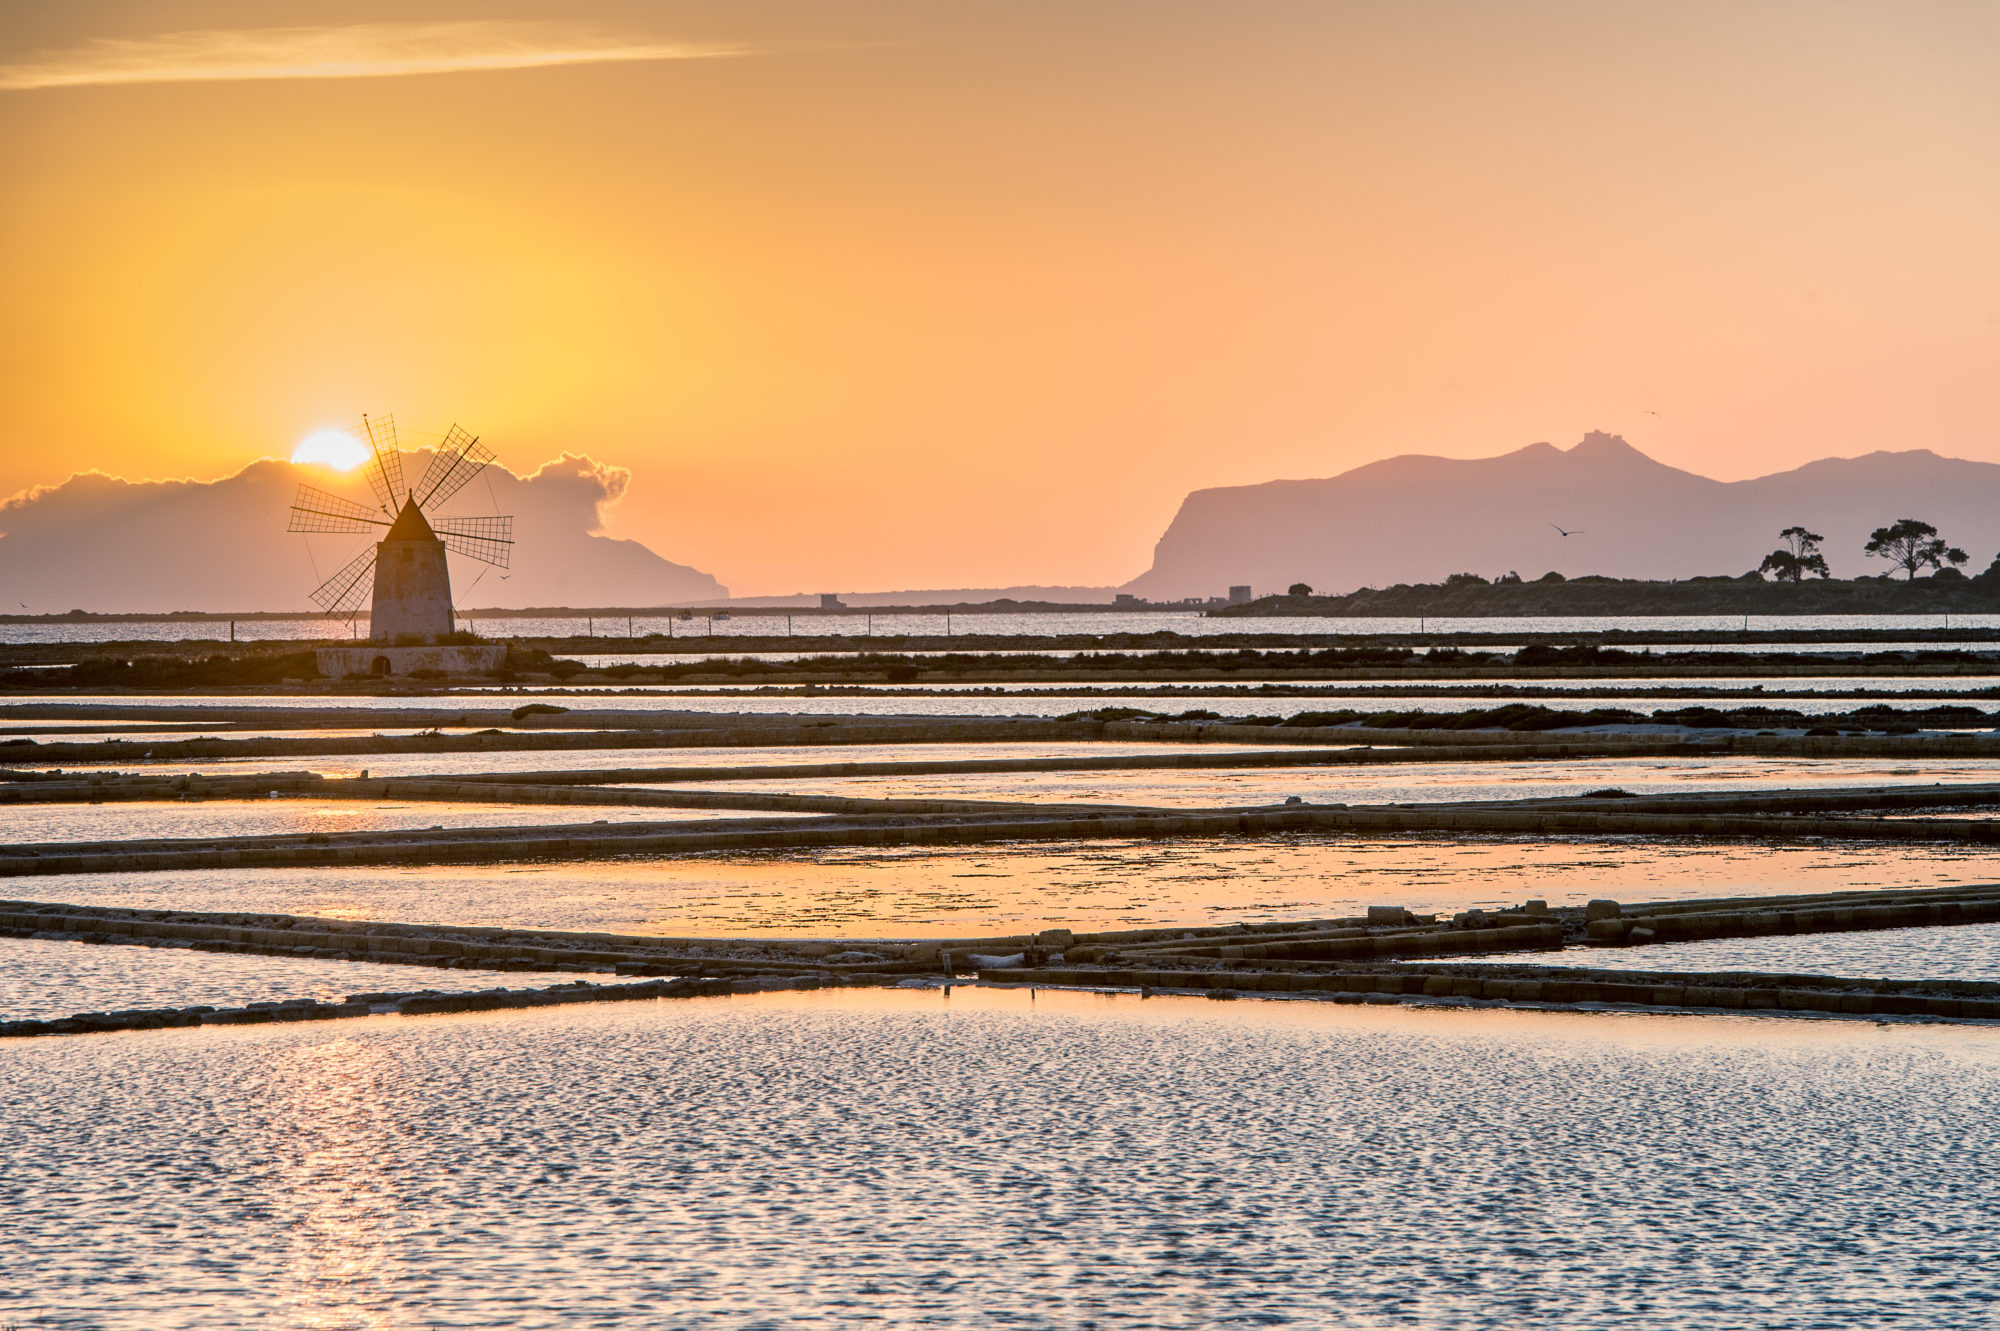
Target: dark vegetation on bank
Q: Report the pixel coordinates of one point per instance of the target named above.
(149, 673)
(1529, 717)
(999, 667)
(1469, 596)
(253, 669)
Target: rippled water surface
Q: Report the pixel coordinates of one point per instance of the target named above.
(199, 819)
(574, 760)
(992, 1158)
(1399, 782)
(43, 978)
(1371, 784)
(1957, 952)
(971, 891)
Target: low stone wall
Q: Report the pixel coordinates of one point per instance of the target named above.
(421, 1003)
(390, 662)
(1734, 992)
(100, 788)
(638, 729)
(1690, 926)
(457, 946)
(1346, 944)
(1340, 961)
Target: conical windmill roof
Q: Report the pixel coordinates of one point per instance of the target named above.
(410, 525)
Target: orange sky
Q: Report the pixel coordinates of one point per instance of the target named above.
(947, 294)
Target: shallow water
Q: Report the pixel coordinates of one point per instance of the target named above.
(1444, 692)
(44, 978)
(1000, 1158)
(1396, 783)
(767, 623)
(1179, 787)
(1955, 952)
(1226, 706)
(201, 819)
(977, 703)
(639, 656)
(578, 760)
(1240, 696)
(973, 891)
(182, 734)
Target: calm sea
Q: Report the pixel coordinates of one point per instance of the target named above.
(756, 624)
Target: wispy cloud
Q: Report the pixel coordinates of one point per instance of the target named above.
(357, 51)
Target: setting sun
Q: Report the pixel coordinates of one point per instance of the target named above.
(331, 448)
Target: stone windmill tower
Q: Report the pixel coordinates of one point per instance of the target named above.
(411, 581)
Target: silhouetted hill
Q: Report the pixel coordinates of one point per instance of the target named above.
(99, 542)
(1420, 519)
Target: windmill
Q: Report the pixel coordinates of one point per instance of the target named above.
(410, 582)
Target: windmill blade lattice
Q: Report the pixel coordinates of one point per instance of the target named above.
(425, 598)
(385, 471)
(459, 458)
(489, 540)
(343, 592)
(317, 511)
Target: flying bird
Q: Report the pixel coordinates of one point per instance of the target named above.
(1561, 532)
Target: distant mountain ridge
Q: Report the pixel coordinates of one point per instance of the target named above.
(102, 543)
(1420, 519)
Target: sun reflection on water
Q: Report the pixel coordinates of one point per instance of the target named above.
(332, 1105)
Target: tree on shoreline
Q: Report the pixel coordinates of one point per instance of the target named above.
(1799, 557)
(1911, 545)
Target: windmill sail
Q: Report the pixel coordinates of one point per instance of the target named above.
(415, 604)
(489, 540)
(317, 511)
(385, 468)
(343, 592)
(458, 459)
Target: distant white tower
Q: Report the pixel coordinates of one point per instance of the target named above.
(411, 582)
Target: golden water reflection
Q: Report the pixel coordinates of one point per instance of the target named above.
(971, 891)
(1006, 1157)
(332, 1105)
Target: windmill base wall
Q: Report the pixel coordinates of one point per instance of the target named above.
(339, 662)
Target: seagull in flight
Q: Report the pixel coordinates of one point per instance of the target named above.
(1561, 532)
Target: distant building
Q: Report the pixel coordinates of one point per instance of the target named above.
(1239, 596)
(1126, 598)
(831, 601)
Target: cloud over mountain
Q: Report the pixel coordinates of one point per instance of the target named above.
(98, 542)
